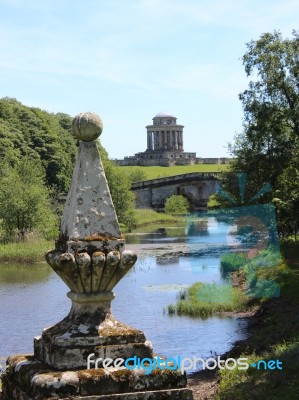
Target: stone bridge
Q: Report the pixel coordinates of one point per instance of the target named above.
(196, 187)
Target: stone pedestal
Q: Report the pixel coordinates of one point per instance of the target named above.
(30, 379)
(90, 258)
(90, 328)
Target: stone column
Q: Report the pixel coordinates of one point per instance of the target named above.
(172, 140)
(152, 140)
(161, 141)
(182, 141)
(148, 140)
(156, 140)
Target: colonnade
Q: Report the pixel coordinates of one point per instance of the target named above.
(165, 140)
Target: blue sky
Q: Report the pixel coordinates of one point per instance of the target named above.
(129, 59)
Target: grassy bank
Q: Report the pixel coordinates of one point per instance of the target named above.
(203, 300)
(257, 283)
(30, 251)
(33, 250)
(274, 335)
(159, 172)
(273, 329)
(147, 216)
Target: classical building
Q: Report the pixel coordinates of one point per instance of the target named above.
(165, 144)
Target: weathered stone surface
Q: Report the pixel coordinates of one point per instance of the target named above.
(173, 394)
(99, 244)
(128, 259)
(83, 261)
(87, 126)
(94, 273)
(89, 213)
(89, 328)
(66, 268)
(112, 262)
(115, 383)
(98, 264)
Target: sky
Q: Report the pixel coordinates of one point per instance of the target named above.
(127, 60)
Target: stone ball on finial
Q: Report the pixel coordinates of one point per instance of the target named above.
(87, 126)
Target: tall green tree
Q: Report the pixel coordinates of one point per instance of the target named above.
(268, 146)
(25, 201)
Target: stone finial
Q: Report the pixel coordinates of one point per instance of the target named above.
(87, 126)
(90, 254)
(89, 216)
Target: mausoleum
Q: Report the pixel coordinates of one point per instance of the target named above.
(165, 144)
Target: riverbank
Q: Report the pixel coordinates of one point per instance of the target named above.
(274, 335)
(147, 216)
(27, 252)
(32, 250)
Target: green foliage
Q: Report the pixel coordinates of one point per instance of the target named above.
(136, 174)
(273, 335)
(202, 300)
(232, 262)
(256, 383)
(176, 204)
(268, 148)
(25, 201)
(30, 251)
(45, 140)
(40, 136)
(145, 216)
(213, 202)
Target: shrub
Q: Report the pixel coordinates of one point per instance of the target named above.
(232, 262)
(176, 204)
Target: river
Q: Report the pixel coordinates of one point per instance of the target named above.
(169, 259)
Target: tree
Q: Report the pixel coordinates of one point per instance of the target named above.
(136, 174)
(25, 201)
(120, 187)
(269, 143)
(176, 204)
(34, 133)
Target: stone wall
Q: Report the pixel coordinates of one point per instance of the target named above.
(167, 161)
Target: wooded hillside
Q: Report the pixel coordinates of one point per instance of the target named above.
(39, 135)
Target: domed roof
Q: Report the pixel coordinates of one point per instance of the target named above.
(163, 114)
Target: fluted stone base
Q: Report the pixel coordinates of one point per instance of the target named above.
(29, 379)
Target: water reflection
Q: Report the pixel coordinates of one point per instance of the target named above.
(170, 234)
(198, 228)
(170, 259)
(16, 274)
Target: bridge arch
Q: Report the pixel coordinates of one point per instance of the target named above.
(196, 187)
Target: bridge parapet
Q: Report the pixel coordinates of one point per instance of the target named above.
(177, 179)
(197, 187)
